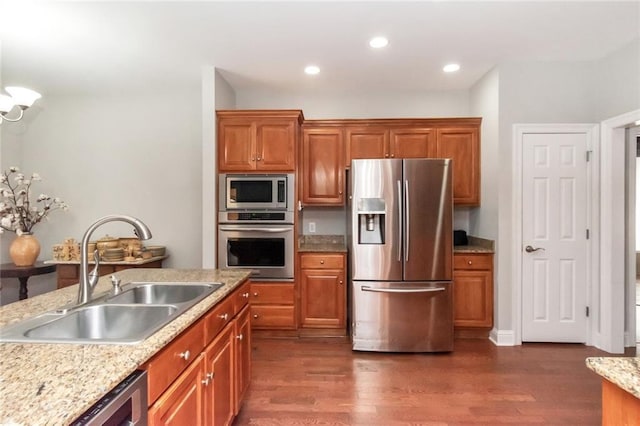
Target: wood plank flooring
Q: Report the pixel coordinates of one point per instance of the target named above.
(322, 382)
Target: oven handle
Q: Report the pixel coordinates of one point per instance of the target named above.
(271, 230)
(402, 290)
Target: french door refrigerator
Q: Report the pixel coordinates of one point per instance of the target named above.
(401, 246)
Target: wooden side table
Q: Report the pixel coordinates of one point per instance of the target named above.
(22, 273)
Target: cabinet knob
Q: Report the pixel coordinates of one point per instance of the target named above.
(386, 155)
(259, 159)
(255, 316)
(340, 192)
(340, 282)
(245, 295)
(224, 316)
(255, 294)
(205, 382)
(239, 337)
(322, 262)
(469, 262)
(185, 355)
(393, 155)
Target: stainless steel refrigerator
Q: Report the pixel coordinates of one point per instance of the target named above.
(401, 247)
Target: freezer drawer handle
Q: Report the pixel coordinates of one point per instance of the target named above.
(402, 290)
(272, 230)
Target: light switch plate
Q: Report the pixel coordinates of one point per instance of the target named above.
(312, 227)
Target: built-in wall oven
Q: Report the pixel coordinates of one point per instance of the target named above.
(255, 224)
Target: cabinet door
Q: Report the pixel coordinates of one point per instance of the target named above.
(183, 402)
(275, 147)
(322, 166)
(236, 145)
(462, 145)
(412, 143)
(242, 333)
(473, 298)
(219, 370)
(322, 298)
(367, 143)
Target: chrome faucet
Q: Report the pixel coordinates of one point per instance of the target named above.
(88, 280)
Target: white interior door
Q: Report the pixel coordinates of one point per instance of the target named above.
(554, 237)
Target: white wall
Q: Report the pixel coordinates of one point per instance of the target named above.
(618, 82)
(137, 155)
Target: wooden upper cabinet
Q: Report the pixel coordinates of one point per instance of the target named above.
(322, 167)
(258, 140)
(366, 143)
(412, 143)
(462, 145)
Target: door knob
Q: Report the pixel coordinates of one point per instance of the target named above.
(530, 249)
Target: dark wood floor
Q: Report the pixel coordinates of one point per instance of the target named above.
(322, 382)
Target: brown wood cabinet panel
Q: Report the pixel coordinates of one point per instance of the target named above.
(258, 140)
(321, 261)
(219, 370)
(237, 146)
(272, 293)
(619, 407)
(242, 367)
(241, 297)
(217, 319)
(412, 143)
(183, 403)
(367, 143)
(322, 167)
(323, 290)
(473, 290)
(462, 145)
(273, 317)
(167, 365)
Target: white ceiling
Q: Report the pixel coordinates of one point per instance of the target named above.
(87, 47)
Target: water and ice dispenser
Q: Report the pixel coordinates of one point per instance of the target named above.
(371, 219)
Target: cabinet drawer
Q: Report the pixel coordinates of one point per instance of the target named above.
(472, 261)
(321, 261)
(272, 294)
(273, 317)
(216, 320)
(241, 297)
(163, 368)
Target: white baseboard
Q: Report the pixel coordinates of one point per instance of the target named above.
(502, 337)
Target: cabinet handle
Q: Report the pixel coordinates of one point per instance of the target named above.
(386, 155)
(322, 262)
(224, 317)
(208, 378)
(340, 192)
(239, 337)
(205, 382)
(185, 355)
(255, 316)
(393, 155)
(253, 158)
(340, 282)
(259, 159)
(469, 262)
(245, 295)
(255, 294)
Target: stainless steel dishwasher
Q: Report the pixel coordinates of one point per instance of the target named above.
(126, 404)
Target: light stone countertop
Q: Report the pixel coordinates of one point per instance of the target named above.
(322, 243)
(621, 371)
(53, 384)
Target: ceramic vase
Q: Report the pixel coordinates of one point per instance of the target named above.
(24, 250)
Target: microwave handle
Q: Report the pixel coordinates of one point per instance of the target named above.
(271, 230)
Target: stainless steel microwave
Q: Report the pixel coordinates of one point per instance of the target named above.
(256, 192)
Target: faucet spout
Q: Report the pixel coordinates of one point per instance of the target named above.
(88, 280)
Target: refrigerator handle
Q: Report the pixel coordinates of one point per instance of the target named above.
(402, 290)
(406, 221)
(399, 184)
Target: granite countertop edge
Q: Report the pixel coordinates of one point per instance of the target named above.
(53, 384)
(621, 371)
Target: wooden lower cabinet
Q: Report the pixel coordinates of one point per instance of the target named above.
(202, 376)
(183, 402)
(273, 306)
(323, 292)
(473, 290)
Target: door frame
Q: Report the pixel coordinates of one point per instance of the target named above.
(610, 332)
(592, 214)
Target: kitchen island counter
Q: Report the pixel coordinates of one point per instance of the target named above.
(620, 389)
(54, 384)
(621, 371)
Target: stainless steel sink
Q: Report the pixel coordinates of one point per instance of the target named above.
(129, 317)
(163, 293)
(121, 323)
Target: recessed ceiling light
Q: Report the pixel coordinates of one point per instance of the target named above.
(451, 68)
(378, 42)
(312, 70)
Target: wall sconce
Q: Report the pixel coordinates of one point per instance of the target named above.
(20, 97)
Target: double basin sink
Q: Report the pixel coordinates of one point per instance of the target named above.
(129, 317)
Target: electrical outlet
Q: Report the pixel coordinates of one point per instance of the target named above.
(312, 227)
